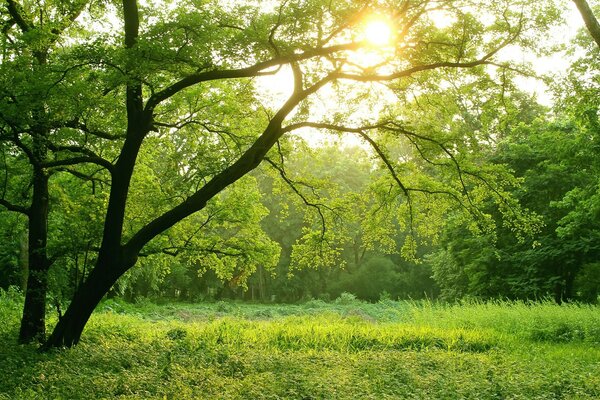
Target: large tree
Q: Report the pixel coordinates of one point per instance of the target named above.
(187, 70)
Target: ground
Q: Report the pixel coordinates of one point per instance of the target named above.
(343, 350)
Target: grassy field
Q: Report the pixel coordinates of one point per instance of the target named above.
(340, 350)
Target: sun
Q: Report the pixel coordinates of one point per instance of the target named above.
(378, 31)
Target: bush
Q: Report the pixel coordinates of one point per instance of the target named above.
(11, 304)
(12, 295)
(587, 283)
(346, 298)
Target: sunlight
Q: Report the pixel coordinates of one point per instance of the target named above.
(274, 90)
(441, 18)
(378, 31)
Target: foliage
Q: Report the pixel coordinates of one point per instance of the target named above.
(477, 350)
(547, 157)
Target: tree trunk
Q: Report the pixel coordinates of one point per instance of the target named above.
(33, 323)
(261, 284)
(69, 328)
(569, 286)
(24, 261)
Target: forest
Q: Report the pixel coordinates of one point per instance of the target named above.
(388, 163)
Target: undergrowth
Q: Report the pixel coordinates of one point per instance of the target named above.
(316, 350)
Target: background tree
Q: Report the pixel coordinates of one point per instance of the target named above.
(556, 156)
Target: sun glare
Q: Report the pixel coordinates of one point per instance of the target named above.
(442, 19)
(378, 31)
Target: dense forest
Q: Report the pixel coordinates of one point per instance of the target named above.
(199, 150)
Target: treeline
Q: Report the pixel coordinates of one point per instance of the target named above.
(272, 243)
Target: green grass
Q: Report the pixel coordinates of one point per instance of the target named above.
(389, 350)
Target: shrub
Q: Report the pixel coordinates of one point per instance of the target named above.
(346, 298)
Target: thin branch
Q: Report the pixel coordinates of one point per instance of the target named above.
(411, 71)
(361, 132)
(187, 242)
(484, 60)
(292, 185)
(275, 27)
(458, 167)
(206, 250)
(76, 124)
(82, 176)
(73, 149)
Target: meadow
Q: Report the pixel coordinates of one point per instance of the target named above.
(345, 349)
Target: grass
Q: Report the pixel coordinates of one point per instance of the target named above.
(388, 350)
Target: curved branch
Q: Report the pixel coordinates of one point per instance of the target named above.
(79, 160)
(14, 207)
(292, 185)
(473, 209)
(259, 69)
(361, 132)
(82, 176)
(75, 124)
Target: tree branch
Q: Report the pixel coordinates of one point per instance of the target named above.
(15, 11)
(13, 207)
(361, 132)
(252, 71)
(79, 160)
(589, 19)
(247, 162)
(75, 124)
(292, 185)
(484, 60)
(82, 176)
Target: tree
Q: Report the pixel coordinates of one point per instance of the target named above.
(32, 116)
(173, 58)
(558, 163)
(548, 158)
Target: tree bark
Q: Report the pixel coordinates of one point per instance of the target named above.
(24, 261)
(33, 323)
(70, 327)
